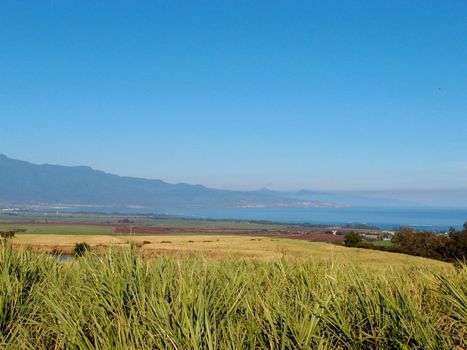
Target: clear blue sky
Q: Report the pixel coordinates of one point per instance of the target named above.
(240, 94)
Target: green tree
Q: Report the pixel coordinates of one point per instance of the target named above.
(352, 239)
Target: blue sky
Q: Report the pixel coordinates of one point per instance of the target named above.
(346, 95)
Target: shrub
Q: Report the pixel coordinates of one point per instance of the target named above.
(10, 233)
(125, 221)
(81, 248)
(352, 239)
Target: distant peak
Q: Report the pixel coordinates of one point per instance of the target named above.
(264, 189)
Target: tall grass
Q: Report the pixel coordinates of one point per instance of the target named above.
(124, 301)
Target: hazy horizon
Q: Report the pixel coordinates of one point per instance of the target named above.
(238, 95)
(396, 191)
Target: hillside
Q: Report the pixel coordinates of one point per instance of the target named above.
(23, 183)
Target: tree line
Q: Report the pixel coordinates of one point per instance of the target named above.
(450, 247)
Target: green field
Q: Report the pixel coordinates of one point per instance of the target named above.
(219, 291)
(153, 221)
(57, 229)
(328, 300)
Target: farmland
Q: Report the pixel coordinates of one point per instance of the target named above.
(97, 224)
(43, 231)
(263, 248)
(218, 285)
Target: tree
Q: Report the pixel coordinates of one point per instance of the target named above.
(81, 248)
(352, 239)
(451, 231)
(465, 226)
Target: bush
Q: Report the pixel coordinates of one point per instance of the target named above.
(352, 239)
(125, 221)
(10, 233)
(430, 245)
(81, 248)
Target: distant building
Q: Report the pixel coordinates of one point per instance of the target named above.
(390, 233)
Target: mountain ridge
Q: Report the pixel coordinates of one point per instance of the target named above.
(25, 183)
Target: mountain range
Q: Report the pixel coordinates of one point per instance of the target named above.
(25, 184)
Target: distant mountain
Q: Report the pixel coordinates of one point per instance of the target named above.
(353, 199)
(448, 198)
(454, 198)
(23, 183)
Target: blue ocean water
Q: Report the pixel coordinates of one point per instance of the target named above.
(419, 218)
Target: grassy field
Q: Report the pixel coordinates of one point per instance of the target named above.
(106, 225)
(220, 291)
(57, 229)
(335, 298)
(153, 221)
(219, 246)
